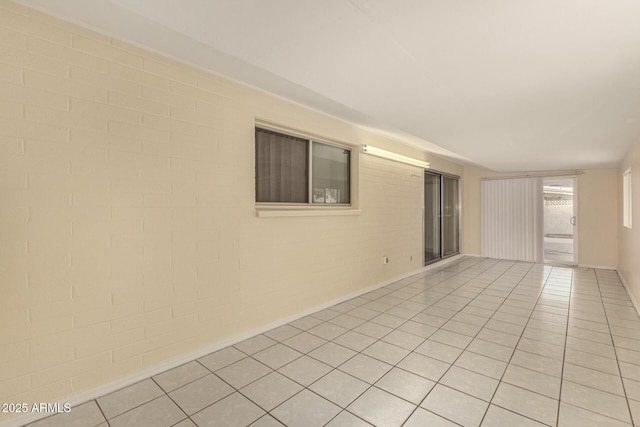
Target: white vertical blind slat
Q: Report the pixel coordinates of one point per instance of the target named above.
(512, 219)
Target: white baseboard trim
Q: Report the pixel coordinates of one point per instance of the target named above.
(89, 395)
(438, 264)
(628, 289)
(475, 255)
(599, 267)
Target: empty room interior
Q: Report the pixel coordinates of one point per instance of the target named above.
(296, 213)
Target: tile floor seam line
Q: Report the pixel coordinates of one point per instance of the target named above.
(411, 318)
(353, 400)
(181, 421)
(451, 290)
(586, 339)
(601, 415)
(142, 404)
(187, 383)
(436, 301)
(267, 411)
(307, 353)
(444, 296)
(294, 395)
(101, 411)
(235, 390)
(132, 408)
(564, 351)
(244, 352)
(606, 316)
(306, 387)
(396, 365)
(455, 289)
(597, 389)
(519, 339)
(174, 402)
(454, 361)
(378, 340)
(349, 412)
(530, 391)
(591, 368)
(431, 412)
(517, 413)
(370, 386)
(259, 378)
(334, 368)
(231, 385)
(395, 329)
(201, 364)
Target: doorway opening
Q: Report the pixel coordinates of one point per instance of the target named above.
(560, 220)
(441, 216)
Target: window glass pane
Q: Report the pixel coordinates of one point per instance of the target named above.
(330, 171)
(627, 212)
(432, 229)
(450, 216)
(281, 168)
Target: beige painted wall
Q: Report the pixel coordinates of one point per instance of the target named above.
(597, 213)
(598, 218)
(629, 242)
(128, 230)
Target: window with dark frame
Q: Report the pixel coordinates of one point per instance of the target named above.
(294, 170)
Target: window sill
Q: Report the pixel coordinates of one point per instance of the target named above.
(276, 213)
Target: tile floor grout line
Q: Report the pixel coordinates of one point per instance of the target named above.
(134, 407)
(606, 316)
(370, 386)
(463, 350)
(273, 370)
(516, 346)
(501, 380)
(174, 402)
(380, 339)
(484, 280)
(412, 351)
(377, 340)
(187, 383)
(138, 406)
(308, 355)
(101, 411)
(323, 376)
(235, 390)
(564, 352)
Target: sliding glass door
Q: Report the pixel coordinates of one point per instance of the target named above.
(431, 217)
(441, 216)
(450, 216)
(560, 220)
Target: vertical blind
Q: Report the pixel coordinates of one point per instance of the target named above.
(281, 168)
(513, 219)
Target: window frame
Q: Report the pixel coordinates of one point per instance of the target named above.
(310, 140)
(627, 199)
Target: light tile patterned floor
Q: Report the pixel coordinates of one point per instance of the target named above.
(474, 342)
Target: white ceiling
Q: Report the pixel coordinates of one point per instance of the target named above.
(509, 85)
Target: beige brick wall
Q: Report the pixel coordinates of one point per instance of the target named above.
(128, 229)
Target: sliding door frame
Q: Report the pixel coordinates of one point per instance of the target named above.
(576, 227)
(441, 175)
